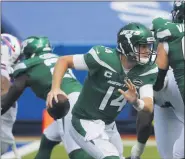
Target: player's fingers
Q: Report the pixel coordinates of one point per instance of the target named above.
(50, 100)
(55, 97)
(121, 91)
(134, 88)
(130, 83)
(127, 84)
(47, 101)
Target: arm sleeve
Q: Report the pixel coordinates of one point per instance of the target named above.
(161, 28)
(14, 93)
(160, 80)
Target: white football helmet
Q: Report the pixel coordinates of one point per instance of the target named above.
(10, 49)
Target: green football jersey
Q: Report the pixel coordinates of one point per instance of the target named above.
(40, 70)
(99, 98)
(173, 35)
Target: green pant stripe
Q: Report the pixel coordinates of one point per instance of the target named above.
(78, 127)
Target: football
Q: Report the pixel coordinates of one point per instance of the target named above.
(60, 109)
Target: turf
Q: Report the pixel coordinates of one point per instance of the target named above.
(59, 153)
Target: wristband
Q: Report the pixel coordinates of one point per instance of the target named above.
(140, 105)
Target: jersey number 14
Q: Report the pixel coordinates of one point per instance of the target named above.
(118, 102)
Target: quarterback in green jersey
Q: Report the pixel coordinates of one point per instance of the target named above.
(114, 78)
(35, 72)
(171, 47)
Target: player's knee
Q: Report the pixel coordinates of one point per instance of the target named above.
(47, 144)
(45, 149)
(79, 154)
(178, 153)
(4, 147)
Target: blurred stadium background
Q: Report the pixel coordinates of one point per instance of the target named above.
(73, 27)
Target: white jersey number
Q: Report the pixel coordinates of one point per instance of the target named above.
(118, 102)
(50, 62)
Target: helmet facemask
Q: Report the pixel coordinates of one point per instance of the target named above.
(20, 58)
(144, 53)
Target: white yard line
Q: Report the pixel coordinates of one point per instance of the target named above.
(34, 146)
(24, 150)
(132, 142)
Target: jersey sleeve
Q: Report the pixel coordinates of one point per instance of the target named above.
(19, 69)
(24, 66)
(98, 57)
(92, 59)
(164, 30)
(149, 76)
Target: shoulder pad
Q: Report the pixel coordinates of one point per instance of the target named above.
(149, 74)
(100, 49)
(165, 30)
(22, 67)
(104, 56)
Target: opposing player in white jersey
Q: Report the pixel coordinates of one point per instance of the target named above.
(169, 120)
(10, 53)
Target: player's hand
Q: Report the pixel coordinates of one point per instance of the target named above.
(53, 94)
(131, 94)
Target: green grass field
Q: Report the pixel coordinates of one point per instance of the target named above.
(59, 153)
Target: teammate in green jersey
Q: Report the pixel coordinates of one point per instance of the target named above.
(114, 77)
(36, 72)
(170, 53)
(171, 47)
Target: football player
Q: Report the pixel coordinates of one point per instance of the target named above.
(171, 46)
(35, 71)
(114, 77)
(10, 54)
(168, 125)
(169, 120)
(170, 53)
